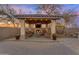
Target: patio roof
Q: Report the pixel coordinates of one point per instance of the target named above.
(38, 16)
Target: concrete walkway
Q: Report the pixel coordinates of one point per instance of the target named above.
(40, 46)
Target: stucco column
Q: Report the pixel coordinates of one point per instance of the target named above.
(46, 25)
(53, 27)
(22, 30)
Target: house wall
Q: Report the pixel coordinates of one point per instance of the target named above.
(6, 32)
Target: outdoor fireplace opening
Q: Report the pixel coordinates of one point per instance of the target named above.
(38, 25)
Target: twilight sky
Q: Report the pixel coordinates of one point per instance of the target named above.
(25, 8)
(31, 8)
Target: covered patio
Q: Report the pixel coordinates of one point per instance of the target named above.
(37, 24)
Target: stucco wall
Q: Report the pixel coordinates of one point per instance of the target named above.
(8, 32)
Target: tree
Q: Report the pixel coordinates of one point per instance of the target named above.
(69, 17)
(10, 12)
(56, 9)
(50, 9)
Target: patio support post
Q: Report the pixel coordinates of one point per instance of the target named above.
(53, 28)
(22, 30)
